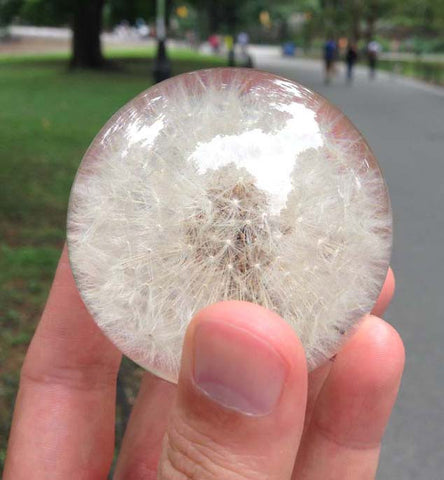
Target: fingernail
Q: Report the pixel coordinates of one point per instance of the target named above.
(237, 369)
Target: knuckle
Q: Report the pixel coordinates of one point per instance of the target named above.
(85, 378)
(189, 454)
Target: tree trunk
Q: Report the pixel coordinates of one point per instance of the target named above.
(213, 12)
(356, 17)
(86, 27)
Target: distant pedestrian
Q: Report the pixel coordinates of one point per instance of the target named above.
(229, 46)
(330, 50)
(214, 42)
(142, 29)
(373, 49)
(243, 58)
(351, 57)
(243, 39)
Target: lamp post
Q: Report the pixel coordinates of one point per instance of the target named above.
(162, 65)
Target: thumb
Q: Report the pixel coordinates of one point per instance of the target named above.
(241, 397)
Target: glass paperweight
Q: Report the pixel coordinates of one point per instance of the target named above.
(227, 184)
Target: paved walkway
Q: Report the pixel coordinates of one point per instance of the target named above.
(403, 121)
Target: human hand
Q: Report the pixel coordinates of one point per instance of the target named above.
(244, 407)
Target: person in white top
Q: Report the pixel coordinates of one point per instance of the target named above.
(373, 50)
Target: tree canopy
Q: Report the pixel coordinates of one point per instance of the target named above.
(343, 16)
(266, 20)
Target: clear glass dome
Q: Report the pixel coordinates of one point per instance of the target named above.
(227, 184)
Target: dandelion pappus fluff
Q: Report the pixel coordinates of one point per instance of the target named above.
(227, 184)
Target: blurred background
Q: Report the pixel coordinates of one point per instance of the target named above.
(67, 65)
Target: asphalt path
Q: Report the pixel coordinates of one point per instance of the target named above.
(403, 121)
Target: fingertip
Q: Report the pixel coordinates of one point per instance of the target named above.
(379, 350)
(354, 405)
(258, 321)
(244, 357)
(357, 398)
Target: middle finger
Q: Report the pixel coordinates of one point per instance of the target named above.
(140, 451)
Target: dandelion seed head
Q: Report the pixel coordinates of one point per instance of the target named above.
(227, 184)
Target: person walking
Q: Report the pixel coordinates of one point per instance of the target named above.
(229, 46)
(245, 59)
(373, 49)
(351, 58)
(214, 42)
(329, 58)
(243, 39)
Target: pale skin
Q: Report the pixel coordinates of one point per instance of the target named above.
(324, 425)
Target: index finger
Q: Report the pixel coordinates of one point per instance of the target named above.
(63, 425)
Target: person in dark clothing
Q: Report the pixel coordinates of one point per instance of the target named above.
(351, 58)
(329, 59)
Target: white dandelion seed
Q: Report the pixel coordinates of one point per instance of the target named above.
(227, 184)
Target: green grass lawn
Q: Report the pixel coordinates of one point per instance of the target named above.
(48, 117)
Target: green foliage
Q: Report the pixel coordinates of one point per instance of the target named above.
(118, 10)
(432, 72)
(218, 16)
(8, 10)
(190, 22)
(358, 19)
(59, 12)
(424, 17)
(46, 12)
(326, 17)
(353, 18)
